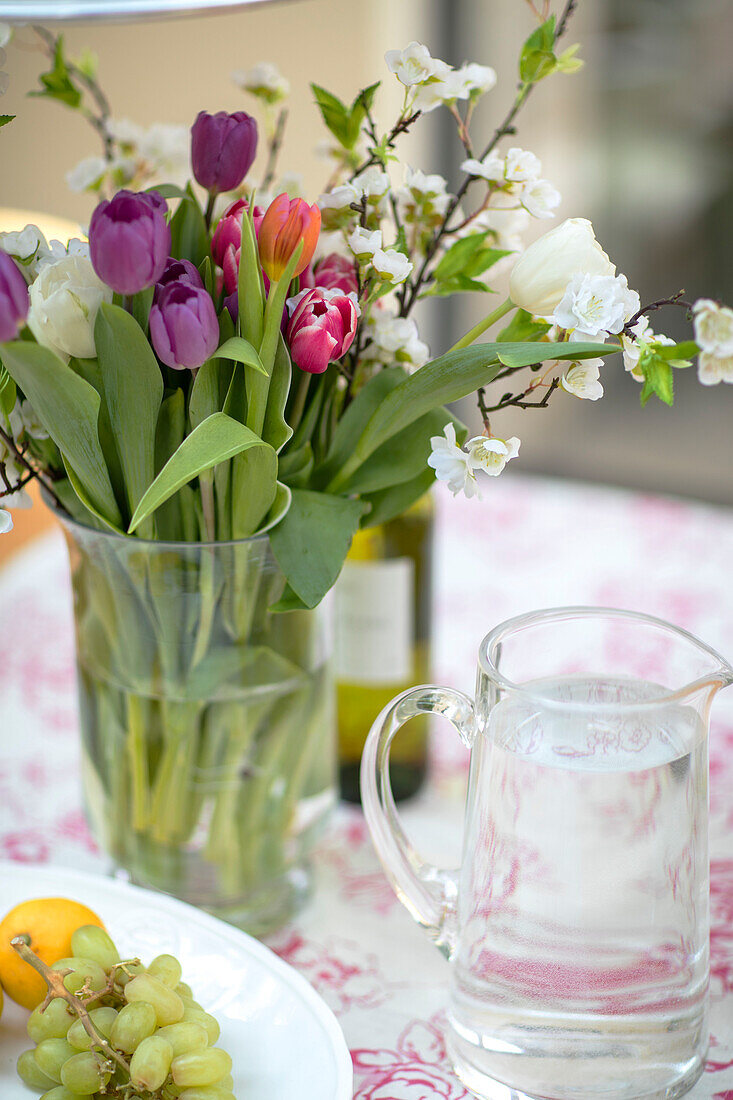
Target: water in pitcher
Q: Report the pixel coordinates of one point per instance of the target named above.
(583, 954)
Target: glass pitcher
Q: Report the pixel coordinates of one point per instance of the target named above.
(577, 925)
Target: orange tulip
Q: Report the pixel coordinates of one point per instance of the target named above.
(286, 223)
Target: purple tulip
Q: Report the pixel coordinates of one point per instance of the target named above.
(184, 329)
(223, 148)
(13, 298)
(129, 240)
(178, 271)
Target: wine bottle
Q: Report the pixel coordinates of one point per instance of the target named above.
(383, 604)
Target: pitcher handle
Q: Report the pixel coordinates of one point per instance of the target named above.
(428, 893)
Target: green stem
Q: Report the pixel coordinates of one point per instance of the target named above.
(301, 393)
(138, 754)
(482, 326)
(210, 209)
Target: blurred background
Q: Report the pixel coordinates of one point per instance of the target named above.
(640, 141)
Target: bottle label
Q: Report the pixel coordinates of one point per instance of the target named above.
(375, 625)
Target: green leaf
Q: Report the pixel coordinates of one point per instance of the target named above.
(189, 237)
(456, 284)
(133, 387)
(354, 421)
(86, 500)
(208, 392)
(678, 355)
(359, 108)
(8, 392)
(169, 435)
(5, 119)
(334, 113)
(170, 191)
(141, 305)
(276, 431)
(68, 408)
(658, 377)
(280, 505)
(241, 351)
(537, 58)
(215, 440)
(404, 456)
(312, 541)
(523, 327)
(524, 355)
(394, 501)
(57, 82)
(254, 483)
(444, 380)
(458, 255)
(250, 288)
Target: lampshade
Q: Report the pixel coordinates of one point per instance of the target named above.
(50, 11)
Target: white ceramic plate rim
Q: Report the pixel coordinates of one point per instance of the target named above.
(37, 873)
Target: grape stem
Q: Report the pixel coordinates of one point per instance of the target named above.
(54, 979)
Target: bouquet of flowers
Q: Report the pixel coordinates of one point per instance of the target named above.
(218, 363)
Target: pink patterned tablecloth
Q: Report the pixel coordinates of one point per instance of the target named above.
(533, 543)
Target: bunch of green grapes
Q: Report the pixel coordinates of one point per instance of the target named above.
(136, 1033)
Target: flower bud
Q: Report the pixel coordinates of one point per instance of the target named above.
(226, 244)
(541, 275)
(13, 299)
(223, 148)
(184, 329)
(321, 328)
(129, 240)
(286, 223)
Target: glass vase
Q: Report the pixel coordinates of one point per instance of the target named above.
(207, 720)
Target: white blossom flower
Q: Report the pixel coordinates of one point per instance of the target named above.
(713, 327)
(491, 455)
(423, 196)
(540, 198)
(339, 198)
(391, 265)
(447, 86)
(396, 339)
(595, 305)
(491, 168)
(364, 243)
(633, 345)
(167, 150)
(540, 276)
(87, 173)
(451, 463)
(583, 379)
(424, 185)
(64, 301)
(712, 369)
(24, 421)
(6, 33)
(521, 166)
(372, 182)
(477, 78)
(413, 65)
(126, 132)
(25, 244)
(263, 80)
(6, 520)
(14, 472)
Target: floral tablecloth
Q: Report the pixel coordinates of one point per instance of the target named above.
(531, 543)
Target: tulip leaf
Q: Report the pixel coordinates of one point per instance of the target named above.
(276, 431)
(241, 351)
(280, 505)
(133, 387)
(209, 390)
(254, 485)
(189, 236)
(250, 288)
(170, 191)
(312, 541)
(214, 440)
(449, 378)
(84, 497)
(68, 408)
(404, 456)
(394, 501)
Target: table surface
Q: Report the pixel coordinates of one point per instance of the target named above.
(532, 543)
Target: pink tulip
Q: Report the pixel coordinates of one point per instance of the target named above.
(321, 328)
(335, 272)
(226, 244)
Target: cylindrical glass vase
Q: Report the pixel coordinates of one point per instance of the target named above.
(207, 720)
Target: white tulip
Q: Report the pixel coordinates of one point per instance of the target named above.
(713, 327)
(64, 301)
(541, 274)
(391, 265)
(583, 380)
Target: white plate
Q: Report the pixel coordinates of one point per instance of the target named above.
(284, 1041)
